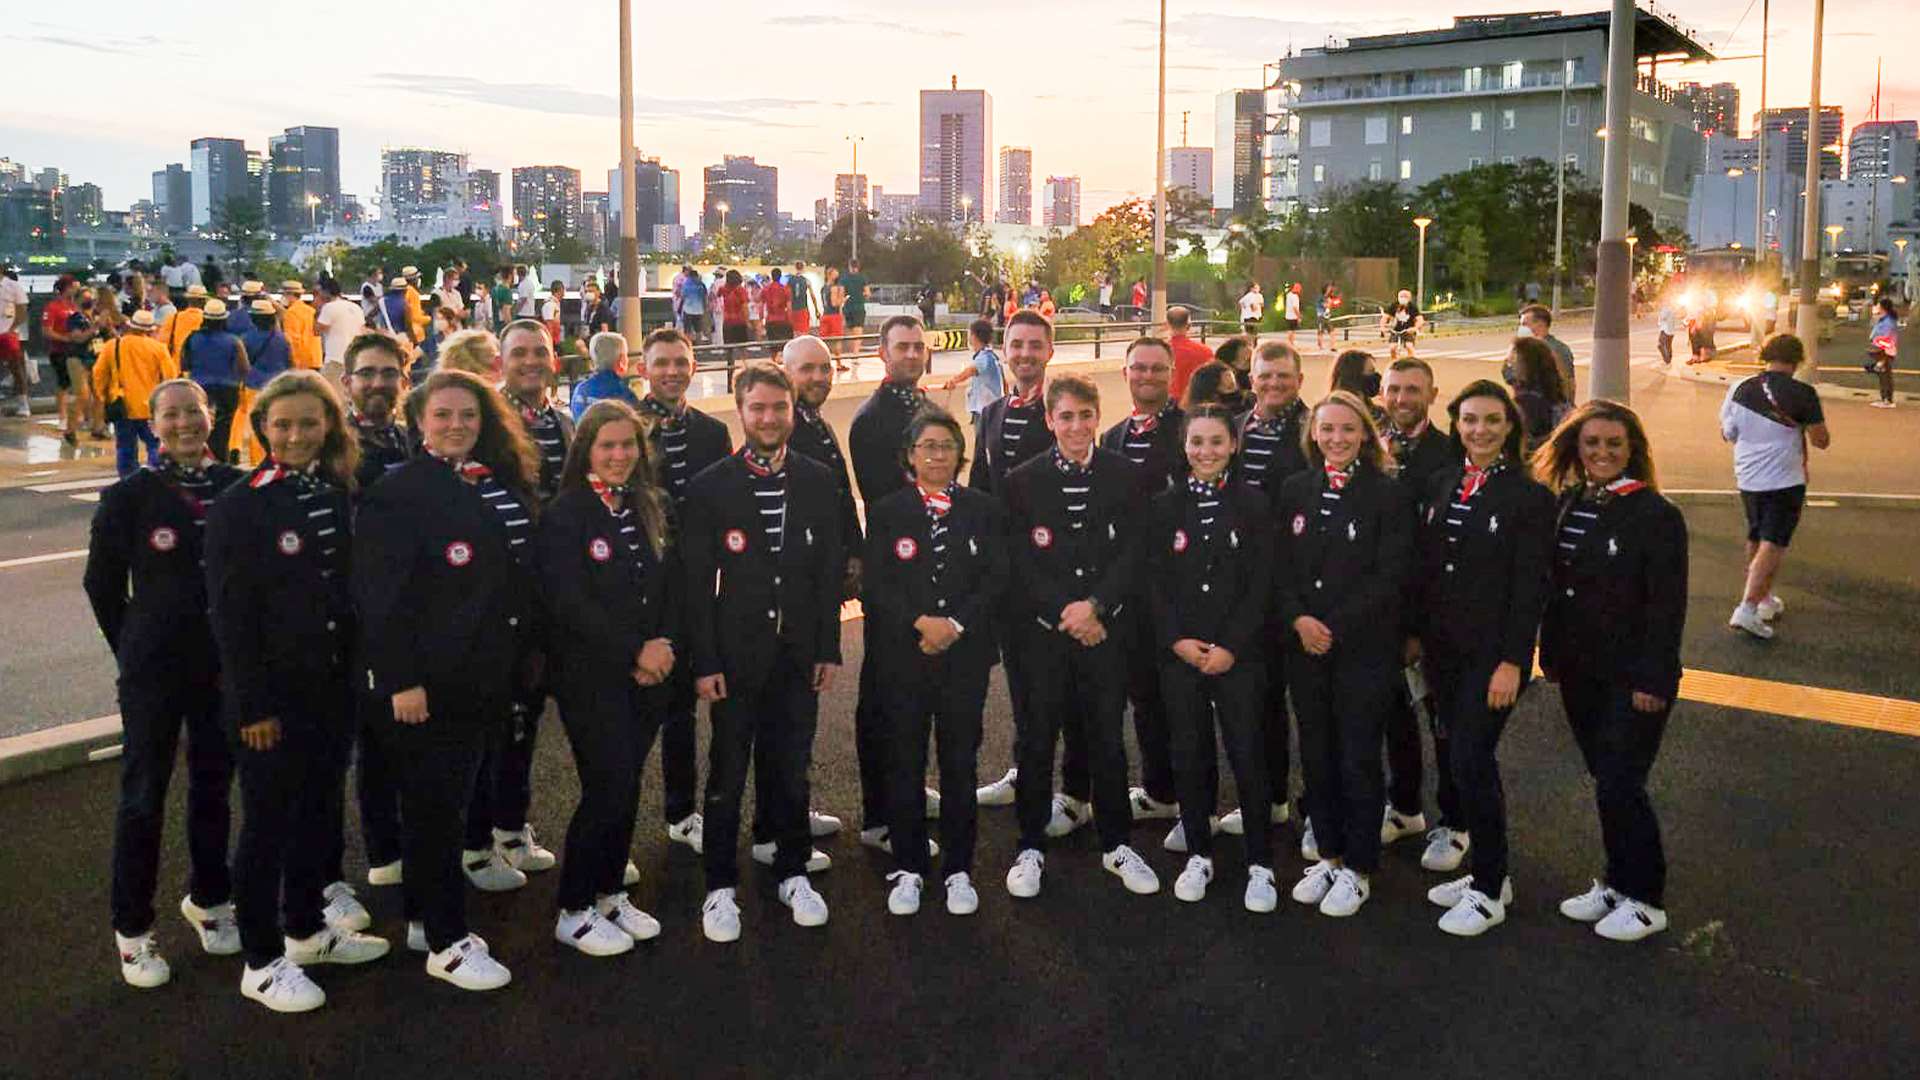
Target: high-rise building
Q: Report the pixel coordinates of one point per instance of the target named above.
(173, 199)
(1239, 150)
(29, 221)
(219, 171)
(49, 180)
(81, 205)
(750, 191)
(1794, 123)
(668, 236)
(416, 182)
(890, 212)
(1191, 167)
(1884, 149)
(594, 218)
(483, 185)
(956, 148)
(303, 179)
(1016, 186)
(1060, 203)
(656, 199)
(12, 173)
(1715, 108)
(546, 201)
(849, 191)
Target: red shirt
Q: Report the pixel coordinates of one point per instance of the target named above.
(1140, 300)
(54, 319)
(1188, 357)
(733, 304)
(778, 300)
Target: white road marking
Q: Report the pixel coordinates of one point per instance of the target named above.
(33, 560)
(86, 496)
(1816, 494)
(88, 484)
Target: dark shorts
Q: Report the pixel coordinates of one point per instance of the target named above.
(735, 333)
(1325, 325)
(62, 374)
(856, 317)
(1293, 324)
(1773, 515)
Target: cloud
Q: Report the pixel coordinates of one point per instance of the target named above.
(99, 44)
(561, 101)
(838, 22)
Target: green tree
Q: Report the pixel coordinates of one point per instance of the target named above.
(924, 252)
(243, 227)
(1188, 212)
(1469, 261)
(834, 247)
(388, 255)
(481, 253)
(1366, 219)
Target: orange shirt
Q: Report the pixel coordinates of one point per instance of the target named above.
(1188, 357)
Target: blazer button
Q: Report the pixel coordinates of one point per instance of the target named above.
(776, 579)
(1449, 568)
(1206, 587)
(939, 603)
(1317, 583)
(1079, 572)
(330, 625)
(1569, 592)
(513, 620)
(772, 614)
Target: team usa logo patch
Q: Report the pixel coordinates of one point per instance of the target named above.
(905, 549)
(736, 541)
(164, 539)
(289, 543)
(1299, 524)
(1042, 537)
(600, 550)
(459, 553)
(1179, 540)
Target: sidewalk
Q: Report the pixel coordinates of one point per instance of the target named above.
(1841, 376)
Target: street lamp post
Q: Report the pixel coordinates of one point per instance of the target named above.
(1420, 264)
(1159, 300)
(1613, 276)
(722, 207)
(1807, 319)
(629, 312)
(853, 223)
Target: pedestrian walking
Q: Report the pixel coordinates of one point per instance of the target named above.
(215, 358)
(1883, 347)
(1771, 418)
(124, 377)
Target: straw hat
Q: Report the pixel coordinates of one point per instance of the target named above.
(142, 320)
(216, 309)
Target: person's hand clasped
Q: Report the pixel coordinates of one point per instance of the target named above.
(1315, 638)
(262, 734)
(1504, 688)
(410, 705)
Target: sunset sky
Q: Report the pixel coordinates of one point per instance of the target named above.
(111, 90)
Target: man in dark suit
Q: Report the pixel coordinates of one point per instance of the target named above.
(765, 565)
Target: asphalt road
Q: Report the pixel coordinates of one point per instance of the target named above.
(1790, 954)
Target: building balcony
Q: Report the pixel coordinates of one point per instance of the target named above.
(1415, 88)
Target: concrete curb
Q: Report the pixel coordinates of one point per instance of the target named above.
(1833, 391)
(67, 746)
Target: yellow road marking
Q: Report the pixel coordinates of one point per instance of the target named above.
(1842, 707)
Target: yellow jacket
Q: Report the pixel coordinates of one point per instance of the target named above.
(178, 327)
(130, 367)
(416, 315)
(297, 323)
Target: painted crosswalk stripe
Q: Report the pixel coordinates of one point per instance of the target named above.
(89, 483)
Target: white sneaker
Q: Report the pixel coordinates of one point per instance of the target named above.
(1593, 905)
(1631, 921)
(820, 824)
(282, 987)
(1315, 884)
(1445, 849)
(631, 875)
(1023, 880)
(1309, 847)
(1068, 814)
(468, 965)
(343, 910)
(905, 897)
(1350, 890)
(417, 937)
(1261, 896)
(219, 933)
(336, 946)
(1747, 617)
(998, 793)
(1176, 838)
(1235, 823)
(880, 838)
(720, 916)
(1126, 864)
(962, 899)
(1771, 607)
(809, 907)
(689, 830)
(1191, 885)
(590, 932)
(1475, 914)
(488, 871)
(1394, 825)
(933, 804)
(1448, 895)
(619, 910)
(817, 860)
(140, 961)
(1881, 403)
(393, 873)
(1147, 808)
(523, 852)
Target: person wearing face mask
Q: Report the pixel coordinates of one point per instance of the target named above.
(937, 566)
(611, 578)
(1611, 638)
(1075, 533)
(1355, 372)
(1150, 438)
(277, 566)
(1482, 568)
(1346, 540)
(765, 567)
(446, 610)
(1401, 324)
(149, 597)
(1209, 553)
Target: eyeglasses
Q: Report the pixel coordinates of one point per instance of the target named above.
(931, 447)
(377, 374)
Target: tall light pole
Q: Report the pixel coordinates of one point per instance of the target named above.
(853, 224)
(1560, 184)
(1760, 150)
(1420, 270)
(1159, 301)
(1613, 279)
(1807, 320)
(629, 314)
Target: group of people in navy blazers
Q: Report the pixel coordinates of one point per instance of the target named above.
(408, 596)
